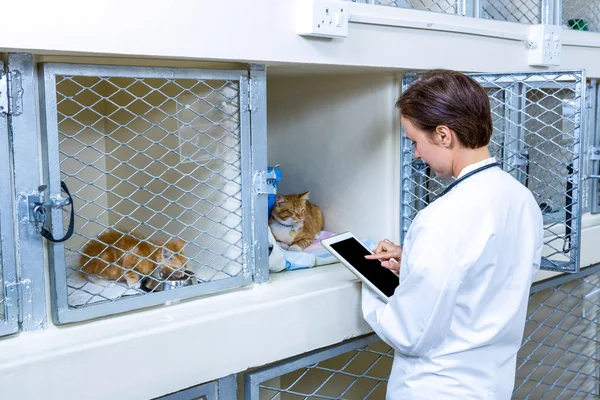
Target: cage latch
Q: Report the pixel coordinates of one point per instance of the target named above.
(521, 158)
(263, 182)
(33, 209)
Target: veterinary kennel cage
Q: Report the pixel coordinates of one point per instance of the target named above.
(159, 154)
(537, 120)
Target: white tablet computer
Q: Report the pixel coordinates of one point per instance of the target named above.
(351, 252)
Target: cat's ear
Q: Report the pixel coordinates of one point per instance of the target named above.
(279, 199)
(166, 253)
(176, 244)
(304, 196)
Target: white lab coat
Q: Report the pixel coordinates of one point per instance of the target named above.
(456, 321)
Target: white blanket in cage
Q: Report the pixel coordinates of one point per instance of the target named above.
(312, 256)
(82, 292)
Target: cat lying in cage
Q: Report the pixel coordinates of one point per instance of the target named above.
(127, 258)
(295, 221)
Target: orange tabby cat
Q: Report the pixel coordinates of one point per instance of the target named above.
(295, 221)
(126, 258)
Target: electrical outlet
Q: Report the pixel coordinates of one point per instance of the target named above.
(323, 18)
(545, 44)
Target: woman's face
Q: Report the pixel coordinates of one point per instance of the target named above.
(430, 148)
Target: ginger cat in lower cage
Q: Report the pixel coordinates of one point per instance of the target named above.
(295, 221)
(126, 258)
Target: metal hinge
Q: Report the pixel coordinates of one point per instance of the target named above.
(253, 94)
(11, 92)
(264, 182)
(23, 298)
(594, 154)
(250, 101)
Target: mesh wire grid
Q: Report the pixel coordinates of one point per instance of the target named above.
(153, 159)
(581, 15)
(358, 374)
(441, 6)
(559, 357)
(526, 11)
(536, 121)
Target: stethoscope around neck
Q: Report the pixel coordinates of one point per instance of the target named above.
(464, 177)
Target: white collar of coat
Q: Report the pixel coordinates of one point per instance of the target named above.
(476, 165)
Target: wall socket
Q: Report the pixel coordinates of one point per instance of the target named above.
(545, 44)
(323, 18)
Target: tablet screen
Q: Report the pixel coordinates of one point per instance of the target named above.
(384, 279)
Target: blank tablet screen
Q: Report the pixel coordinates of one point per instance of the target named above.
(354, 253)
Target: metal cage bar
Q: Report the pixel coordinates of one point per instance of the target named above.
(594, 127)
(590, 163)
(147, 148)
(23, 123)
(8, 278)
(537, 120)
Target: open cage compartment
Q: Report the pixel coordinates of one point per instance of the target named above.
(537, 120)
(161, 166)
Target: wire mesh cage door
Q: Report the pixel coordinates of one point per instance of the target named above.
(8, 280)
(355, 369)
(160, 168)
(537, 120)
(525, 12)
(456, 7)
(581, 15)
(559, 355)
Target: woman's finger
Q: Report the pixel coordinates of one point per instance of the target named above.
(392, 266)
(380, 256)
(380, 247)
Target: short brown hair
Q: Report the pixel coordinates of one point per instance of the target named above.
(444, 97)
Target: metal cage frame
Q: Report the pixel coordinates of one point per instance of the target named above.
(9, 307)
(253, 162)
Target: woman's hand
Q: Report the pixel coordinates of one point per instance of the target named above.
(389, 254)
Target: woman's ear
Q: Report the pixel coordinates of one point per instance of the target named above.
(444, 135)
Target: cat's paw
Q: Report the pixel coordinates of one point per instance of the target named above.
(284, 246)
(295, 248)
(131, 279)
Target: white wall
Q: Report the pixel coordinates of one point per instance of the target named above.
(264, 31)
(337, 136)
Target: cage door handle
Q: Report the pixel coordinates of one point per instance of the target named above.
(46, 233)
